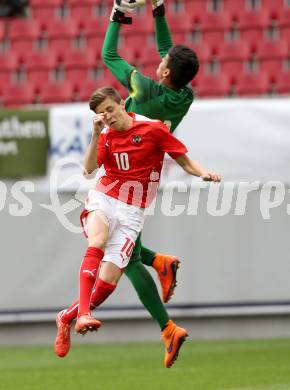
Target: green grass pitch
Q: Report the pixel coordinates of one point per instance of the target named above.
(202, 365)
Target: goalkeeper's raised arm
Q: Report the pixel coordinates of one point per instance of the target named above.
(113, 61)
(163, 36)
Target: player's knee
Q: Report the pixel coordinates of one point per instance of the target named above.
(110, 273)
(98, 240)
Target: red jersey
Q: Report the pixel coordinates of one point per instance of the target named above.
(133, 159)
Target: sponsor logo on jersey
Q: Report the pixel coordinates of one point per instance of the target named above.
(136, 139)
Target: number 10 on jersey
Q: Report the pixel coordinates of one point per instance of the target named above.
(122, 161)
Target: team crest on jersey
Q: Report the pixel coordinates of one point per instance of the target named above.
(136, 139)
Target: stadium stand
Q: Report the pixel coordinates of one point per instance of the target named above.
(242, 44)
(252, 84)
(18, 95)
(39, 66)
(282, 83)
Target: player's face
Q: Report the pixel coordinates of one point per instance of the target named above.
(162, 70)
(115, 115)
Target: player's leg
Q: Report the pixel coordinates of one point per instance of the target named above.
(97, 232)
(101, 291)
(165, 265)
(146, 289)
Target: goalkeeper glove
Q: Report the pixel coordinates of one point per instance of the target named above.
(122, 6)
(158, 8)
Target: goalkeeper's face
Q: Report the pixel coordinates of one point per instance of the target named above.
(163, 71)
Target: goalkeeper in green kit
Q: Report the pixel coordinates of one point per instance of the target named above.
(167, 100)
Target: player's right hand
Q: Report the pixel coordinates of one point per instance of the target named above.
(156, 3)
(211, 176)
(99, 123)
(158, 8)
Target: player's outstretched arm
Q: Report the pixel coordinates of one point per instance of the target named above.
(114, 62)
(163, 36)
(90, 159)
(195, 169)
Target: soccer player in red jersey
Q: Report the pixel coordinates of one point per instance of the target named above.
(131, 149)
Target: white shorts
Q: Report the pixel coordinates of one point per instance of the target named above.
(125, 223)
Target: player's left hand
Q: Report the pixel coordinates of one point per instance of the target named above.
(211, 176)
(120, 7)
(129, 5)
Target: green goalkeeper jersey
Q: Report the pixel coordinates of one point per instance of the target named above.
(146, 96)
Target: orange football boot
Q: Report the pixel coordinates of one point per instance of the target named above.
(62, 340)
(166, 267)
(173, 336)
(86, 323)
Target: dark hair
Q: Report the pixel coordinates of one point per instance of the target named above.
(183, 64)
(101, 94)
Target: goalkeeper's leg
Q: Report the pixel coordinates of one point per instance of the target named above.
(166, 267)
(173, 335)
(147, 291)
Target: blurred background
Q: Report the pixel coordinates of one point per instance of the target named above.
(234, 276)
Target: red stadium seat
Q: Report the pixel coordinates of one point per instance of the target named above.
(85, 2)
(109, 79)
(283, 18)
(18, 95)
(56, 92)
(149, 56)
(180, 23)
(94, 32)
(23, 34)
(271, 55)
(82, 10)
(2, 29)
(203, 50)
(61, 34)
(212, 85)
(253, 24)
(195, 7)
(273, 6)
(78, 64)
(214, 25)
(136, 43)
(45, 10)
(45, 3)
(86, 88)
(96, 27)
(8, 65)
(234, 7)
(252, 84)
(39, 66)
(282, 82)
(140, 25)
(234, 50)
(232, 55)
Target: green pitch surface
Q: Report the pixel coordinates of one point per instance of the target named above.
(210, 365)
